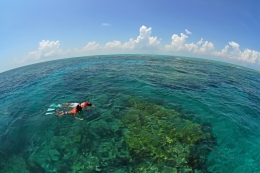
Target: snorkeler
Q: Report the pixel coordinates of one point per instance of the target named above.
(85, 104)
(73, 111)
(73, 105)
(76, 108)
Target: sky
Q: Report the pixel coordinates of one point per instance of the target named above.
(43, 30)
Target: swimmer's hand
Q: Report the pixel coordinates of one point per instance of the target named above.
(79, 118)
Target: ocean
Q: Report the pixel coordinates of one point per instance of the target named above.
(153, 113)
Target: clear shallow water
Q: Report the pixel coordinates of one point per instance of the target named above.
(224, 96)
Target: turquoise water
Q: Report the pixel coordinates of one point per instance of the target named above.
(223, 96)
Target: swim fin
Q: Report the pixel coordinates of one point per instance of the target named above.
(53, 105)
(50, 109)
(48, 113)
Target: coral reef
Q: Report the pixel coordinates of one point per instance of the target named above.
(15, 164)
(131, 137)
(161, 136)
(92, 148)
(86, 164)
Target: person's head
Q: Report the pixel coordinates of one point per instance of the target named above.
(85, 104)
(79, 108)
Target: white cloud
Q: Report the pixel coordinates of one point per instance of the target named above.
(114, 44)
(92, 46)
(207, 47)
(187, 31)
(46, 50)
(144, 39)
(191, 47)
(223, 52)
(236, 51)
(200, 42)
(105, 24)
(250, 56)
(177, 42)
(145, 43)
(89, 49)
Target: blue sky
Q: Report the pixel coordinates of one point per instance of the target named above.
(37, 31)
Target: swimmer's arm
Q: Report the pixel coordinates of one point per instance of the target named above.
(86, 108)
(77, 117)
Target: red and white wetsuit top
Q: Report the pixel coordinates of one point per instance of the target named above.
(87, 104)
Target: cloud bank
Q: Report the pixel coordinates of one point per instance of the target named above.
(145, 43)
(46, 50)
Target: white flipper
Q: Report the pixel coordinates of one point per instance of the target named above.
(48, 113)
(50, 109)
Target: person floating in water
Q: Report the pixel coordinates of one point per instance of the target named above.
(77, 107)
(73, 105)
